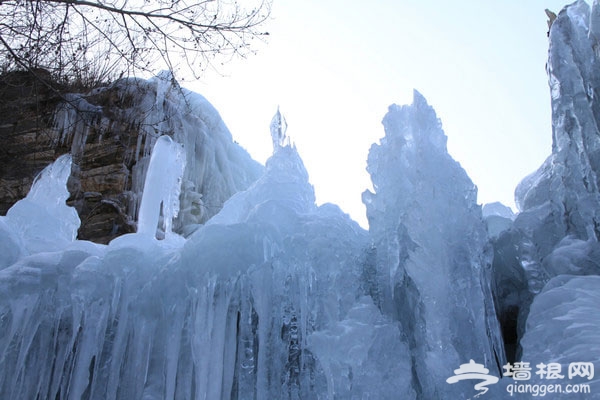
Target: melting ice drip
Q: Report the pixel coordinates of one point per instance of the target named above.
(162, 187)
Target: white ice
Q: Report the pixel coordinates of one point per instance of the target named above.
(162, 188)
(42, 221)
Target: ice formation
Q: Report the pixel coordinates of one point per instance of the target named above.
(215, 168)
(279, 131)
(546, 263)
(162, 187)
(564, 323)
(249, 307)
(498, 218)
(274, 297)
(42, 221)
(561, 198)
(432, 263)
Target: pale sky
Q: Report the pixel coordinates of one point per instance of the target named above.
(334, 67)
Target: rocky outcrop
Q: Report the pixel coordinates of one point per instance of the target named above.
(110, 132)
(27, 145)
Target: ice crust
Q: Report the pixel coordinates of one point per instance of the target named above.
(274, 297)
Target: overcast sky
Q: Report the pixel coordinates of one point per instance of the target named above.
(334, 66)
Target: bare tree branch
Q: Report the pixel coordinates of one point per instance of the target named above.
(83, 40)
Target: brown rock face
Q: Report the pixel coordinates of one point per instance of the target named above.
(110, 136)
(27, 142)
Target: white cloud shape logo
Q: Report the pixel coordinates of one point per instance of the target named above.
(472, 370)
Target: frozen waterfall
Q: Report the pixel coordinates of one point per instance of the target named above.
(272, 296)
(249, 307)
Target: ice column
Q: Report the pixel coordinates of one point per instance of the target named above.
(162, 187)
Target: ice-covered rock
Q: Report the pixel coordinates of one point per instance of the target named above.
(301, 269)
(11, 246)
(293, 196)
(432, 260)
(275, 297)
(111, 132)
(573, 257)
(283, 188)
(497, 209)
(216, 167)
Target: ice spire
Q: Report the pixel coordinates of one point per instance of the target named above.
(437, 285)
(278, 129)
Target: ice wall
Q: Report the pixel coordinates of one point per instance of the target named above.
(559, 203)
(431, 258)
(311, 332)
(541, 301)
(562, 198)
